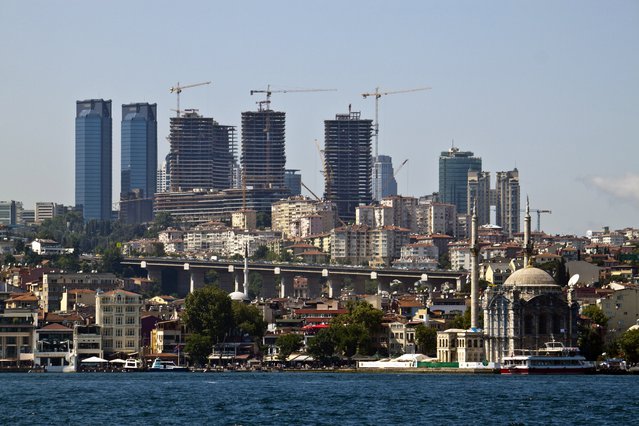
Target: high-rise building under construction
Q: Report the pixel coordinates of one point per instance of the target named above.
(201, 154)
(348, 162)
(263, 158)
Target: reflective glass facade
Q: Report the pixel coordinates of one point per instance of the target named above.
(454, 166)
(93, 158)
(139, 149)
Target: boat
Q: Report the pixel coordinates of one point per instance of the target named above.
(132, 364)
(554, 358)
(160, 365)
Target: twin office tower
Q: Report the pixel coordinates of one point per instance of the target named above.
(93, 144)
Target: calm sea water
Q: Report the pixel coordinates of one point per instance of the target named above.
(316, 398)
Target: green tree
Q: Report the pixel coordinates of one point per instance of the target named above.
(248, 320)
(111, 261)
(595, 314)
(199, 347)
(629, 344)
(8, 259)
(590, 341)
(287, 344)
(461, 321)
(211, 277)
(208, 311)
(426, 338)
(255, 285)
(322, 347)
(261, 253)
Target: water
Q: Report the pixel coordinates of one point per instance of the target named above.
(316, 398)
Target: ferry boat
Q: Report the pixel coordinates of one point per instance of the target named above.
(132, 364)
(554, 358)
(168, 366)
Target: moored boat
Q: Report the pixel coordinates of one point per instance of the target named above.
(132, 364)
(167, 366)
(554, 358)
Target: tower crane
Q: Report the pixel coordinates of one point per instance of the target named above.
(177, 89)
(266, 104)
(377, 94)
(539, 213)
(400, 167)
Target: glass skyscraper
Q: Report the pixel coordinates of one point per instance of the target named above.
(139, 148)
(93, 158)
(384, 183)
(454, 166)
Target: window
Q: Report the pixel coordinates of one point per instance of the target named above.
(118, 320)
(130, 320)
(118, 332)
(130, 344)
(107, 321)
(130, 331)
(118, 344)
(118, 309)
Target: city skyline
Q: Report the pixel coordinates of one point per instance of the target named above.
(547, 88)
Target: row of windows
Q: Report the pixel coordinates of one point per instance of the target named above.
(107, 320)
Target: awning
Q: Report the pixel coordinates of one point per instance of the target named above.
(93, 360)
(117, 361)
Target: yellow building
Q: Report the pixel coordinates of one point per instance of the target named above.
(118, 313)
(622, 310)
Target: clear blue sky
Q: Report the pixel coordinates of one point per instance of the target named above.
(551, 87)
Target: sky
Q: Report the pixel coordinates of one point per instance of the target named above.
(550, 87)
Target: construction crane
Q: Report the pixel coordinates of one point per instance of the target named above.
(377, 94)
(177, 89)
(539, 213)
(400, 167)
(266, 104)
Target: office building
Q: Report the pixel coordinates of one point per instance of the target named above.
(383, 179)
(8, 213)
(347, 156)
(293, 181)
(139, 148)
(164, 176)
(47, 210)
(201, 153)
(93, 158)
(479, 195)
(263, 148)
(507, 196)
(454, 166)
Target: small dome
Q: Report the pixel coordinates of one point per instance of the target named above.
(530, 276)
(239, 296)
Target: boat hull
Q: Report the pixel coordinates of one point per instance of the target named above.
(546, 371)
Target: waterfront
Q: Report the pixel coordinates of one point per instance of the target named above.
(316, 398)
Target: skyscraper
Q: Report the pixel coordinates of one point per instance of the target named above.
(201, 153)
(139, 148)
(93, 158)
(454, 166)
(263, 148)
(383, 179)
(293, 181)
(508, 201)
(347, 153)
(479, 195)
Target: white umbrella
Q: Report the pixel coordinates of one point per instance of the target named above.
(117, 361)
(93, 360)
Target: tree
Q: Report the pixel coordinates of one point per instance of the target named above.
(198, 346)
(629, 343)
(247, 319)
(111, 261)
(287, 344)
(209, 312)
(595, 314)
(461, 321)
(426, 338)
(211, 277)
(261, 253)
(255, 285)
(322, 347)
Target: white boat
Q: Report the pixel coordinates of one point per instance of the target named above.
(554, 358)
(132, 364)
(168, 366)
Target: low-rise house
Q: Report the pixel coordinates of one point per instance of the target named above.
(118, 313)
(18, 322)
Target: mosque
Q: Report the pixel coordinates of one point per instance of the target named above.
(528, 310)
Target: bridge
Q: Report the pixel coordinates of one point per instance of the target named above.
(183, 275)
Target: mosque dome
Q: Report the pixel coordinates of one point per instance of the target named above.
(239, 296)
(530, 276)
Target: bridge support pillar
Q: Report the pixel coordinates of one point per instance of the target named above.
(196, 279)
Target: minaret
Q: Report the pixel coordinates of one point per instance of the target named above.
(246, 271)
(528, 247)
(474, 270)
